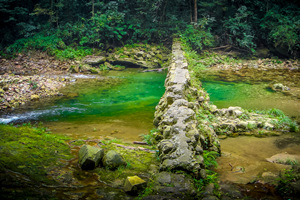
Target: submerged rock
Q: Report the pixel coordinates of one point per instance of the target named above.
(89, 157)
(113, 160)
(133, 184)
(284, 158)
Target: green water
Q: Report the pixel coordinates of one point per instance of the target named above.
(137, 92)
(250, 96)
(120, 106)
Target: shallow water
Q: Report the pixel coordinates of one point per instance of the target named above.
(248, 152)
(250, 96)
(251, 153)
(94, 109)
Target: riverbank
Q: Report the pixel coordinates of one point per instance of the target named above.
(18, 90)
(241, 120)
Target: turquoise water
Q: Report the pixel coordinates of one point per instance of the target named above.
(250, 96)
(122, 105)
(136, 92)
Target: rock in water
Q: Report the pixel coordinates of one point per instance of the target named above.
(113, 160)
(280, 87)
(133, 184)
(90, 157)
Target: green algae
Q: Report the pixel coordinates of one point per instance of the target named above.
(30, 151)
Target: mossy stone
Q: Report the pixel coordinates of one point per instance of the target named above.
(113, 160)
(89, 157)
(133, 184)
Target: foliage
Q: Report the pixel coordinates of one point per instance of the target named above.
(275, 112)
(100, 24)
(37, 42)
(72, 53)
(198, 37)
(282, 26)
(30, 150)
(210, 159)
(50, 43)
(150, 138)
(211, 176)
(280, 120)
(240, 31)
(288, 177)
(147, 191)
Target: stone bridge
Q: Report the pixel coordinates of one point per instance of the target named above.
(181, 144)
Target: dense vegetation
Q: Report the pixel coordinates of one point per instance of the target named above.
(69, 28)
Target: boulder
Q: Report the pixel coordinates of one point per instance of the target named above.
(113, 160)
(140, 54)
(280, 87)
(133, 184)
(173, 186)
(94, 60)
(284, 158)
(89, 157)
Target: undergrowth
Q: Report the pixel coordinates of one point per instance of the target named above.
(286, 179)
(280, 120)
(51, 44)
(211, 177)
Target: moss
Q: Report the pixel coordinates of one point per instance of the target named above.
(30, 151)
(138, 163)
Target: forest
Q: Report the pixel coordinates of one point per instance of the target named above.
(149, 99)
(74, 27)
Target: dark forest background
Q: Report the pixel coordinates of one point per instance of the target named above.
(59, 25)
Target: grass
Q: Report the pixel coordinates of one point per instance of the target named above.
(280, 120)
(150, 138)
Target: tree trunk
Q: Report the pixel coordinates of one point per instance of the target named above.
(191, 10)
(51, 11)
(93, 8)
(195, 11)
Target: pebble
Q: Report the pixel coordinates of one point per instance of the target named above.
(18, 90)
